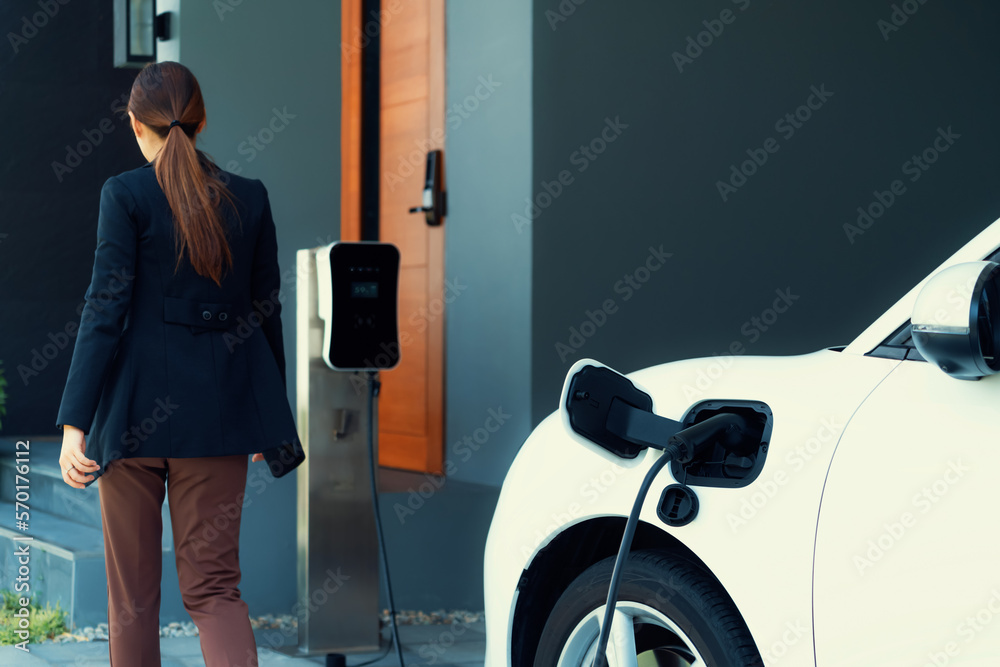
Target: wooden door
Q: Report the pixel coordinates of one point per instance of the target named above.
(412, 122)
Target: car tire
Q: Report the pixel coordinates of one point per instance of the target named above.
(677, 609)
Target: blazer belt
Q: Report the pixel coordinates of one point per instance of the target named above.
(203, 314)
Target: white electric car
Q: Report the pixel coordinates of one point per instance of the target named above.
(851, 524)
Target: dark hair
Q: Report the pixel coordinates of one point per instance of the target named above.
(168, 91)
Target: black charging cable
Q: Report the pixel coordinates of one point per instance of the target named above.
(374, 384)
(681, 447)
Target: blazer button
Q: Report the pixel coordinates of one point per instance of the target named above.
(206, 314)
(223, 316)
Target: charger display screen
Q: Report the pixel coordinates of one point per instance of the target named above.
(365, 290)
(363, 331)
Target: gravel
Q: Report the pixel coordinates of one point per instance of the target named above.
(285, 623)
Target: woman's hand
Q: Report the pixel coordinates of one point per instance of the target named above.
(257, 457)
(72, 454)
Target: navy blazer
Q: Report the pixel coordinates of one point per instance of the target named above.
(174, 365)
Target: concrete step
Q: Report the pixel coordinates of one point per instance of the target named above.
(65, 563)
(48, 492)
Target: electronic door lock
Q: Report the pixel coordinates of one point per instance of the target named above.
(434, 203)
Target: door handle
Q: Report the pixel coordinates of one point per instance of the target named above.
(434, 205)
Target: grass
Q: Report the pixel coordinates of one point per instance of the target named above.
(42, 623)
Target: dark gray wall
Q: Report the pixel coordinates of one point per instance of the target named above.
(656, 183)
(59, 142)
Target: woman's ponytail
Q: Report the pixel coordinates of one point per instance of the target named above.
(162, 94)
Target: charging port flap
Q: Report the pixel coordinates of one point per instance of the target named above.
(593, 391)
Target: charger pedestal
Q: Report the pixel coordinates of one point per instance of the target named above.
(338, 560)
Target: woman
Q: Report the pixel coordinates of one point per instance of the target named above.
(177, 375)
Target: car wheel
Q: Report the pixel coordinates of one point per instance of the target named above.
(670, 613)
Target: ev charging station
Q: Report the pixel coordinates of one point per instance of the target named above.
(346, 317)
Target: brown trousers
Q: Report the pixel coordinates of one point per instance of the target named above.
(206, 495)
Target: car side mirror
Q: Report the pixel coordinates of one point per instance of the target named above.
(956, 320)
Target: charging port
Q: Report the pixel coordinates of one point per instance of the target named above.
(731, 464)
